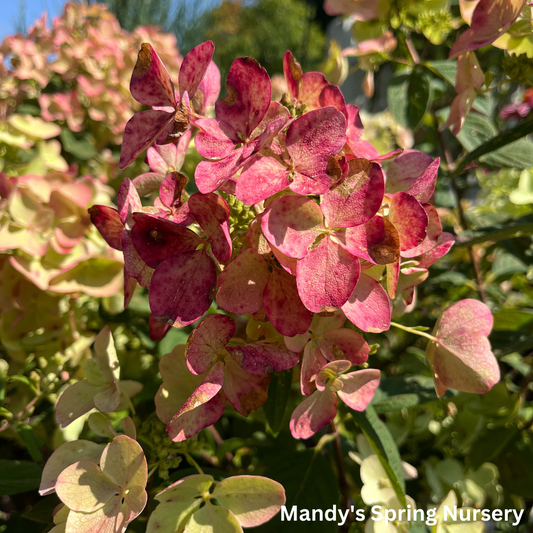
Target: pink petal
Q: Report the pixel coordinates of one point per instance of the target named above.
(245, 392)
(369, 306)
(283, 306)
(263, 357)
(212, 213)
(134, 266)
(433, 231)
(171, 189)
(273, 122)
(156, 240)
(331, 95)
(255, 237)
(311, 140)
(358, 198)
(344, 344)
(248, 95)
(326, 276)
(242, 282)
(290, 223)
(128, 201)
(182, 288)
(412, 278)
(312, 363)
(207, 341)
(377, 241)
(150, 82)
(157, 329)
(404, 171)
(393, 274)
(209, 175)
(444, 243)
(409, 218)
(140, 132)
(216, 139)
(311, 85)
(148, 182)
(323, 379)
(202, 409)
(313, 414)
(108, 223)
(463, 359)
(288, 263)
(261, 178)
(208, 90)
(194, 67)
(358, 388)
(293, 73)
(423, 188)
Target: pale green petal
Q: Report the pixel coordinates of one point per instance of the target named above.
(124, 463)
(186, 489)
(212, 519)
(172, 517)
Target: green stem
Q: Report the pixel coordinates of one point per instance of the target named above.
(152, 470)
(192, 462)
(415, 331)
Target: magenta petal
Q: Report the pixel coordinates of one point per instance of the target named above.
(140, 132)
(313, 414)
(377, 241)
(150, 82)
(311, 85)
(444, 243)
(242, 282)
(290, 223)
(156, 240)
(194, 66)
(216, 139)
(344, 344)
(208, 341)
(409, 218)
(433, 231)
(311, 140)
(404, 171)
(312, 363)
(283, 306)
(273, 122)
(245, 392)
(171, 189)
(263, 357)
(157, 329)
(134, 267)
(255, 237)
(248, 96)
(128, 201)
(331, 95)
(261, 178)
(369, 307)
(393, 274)
(212, 213)
(326, 276)
(358, 388)
(182, 288)
(108, 223)
(423, 188)
(209, 88)
(358, 198)
(209, 175)
(293, 73)
(203, 408)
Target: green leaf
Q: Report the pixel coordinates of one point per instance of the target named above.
(279, 391)
(384, 447)
(443, 68)
(505, 264)
(518, 154)
(512, 319)
(511, 230)
(18, 476)
(408, 97)
(309, 483)
(32, 441)
(491, 144)
(475, 131)
(80, 149)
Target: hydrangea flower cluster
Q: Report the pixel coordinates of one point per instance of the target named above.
(337, 231)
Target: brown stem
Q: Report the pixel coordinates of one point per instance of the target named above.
(462, 219)
(343, 483)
